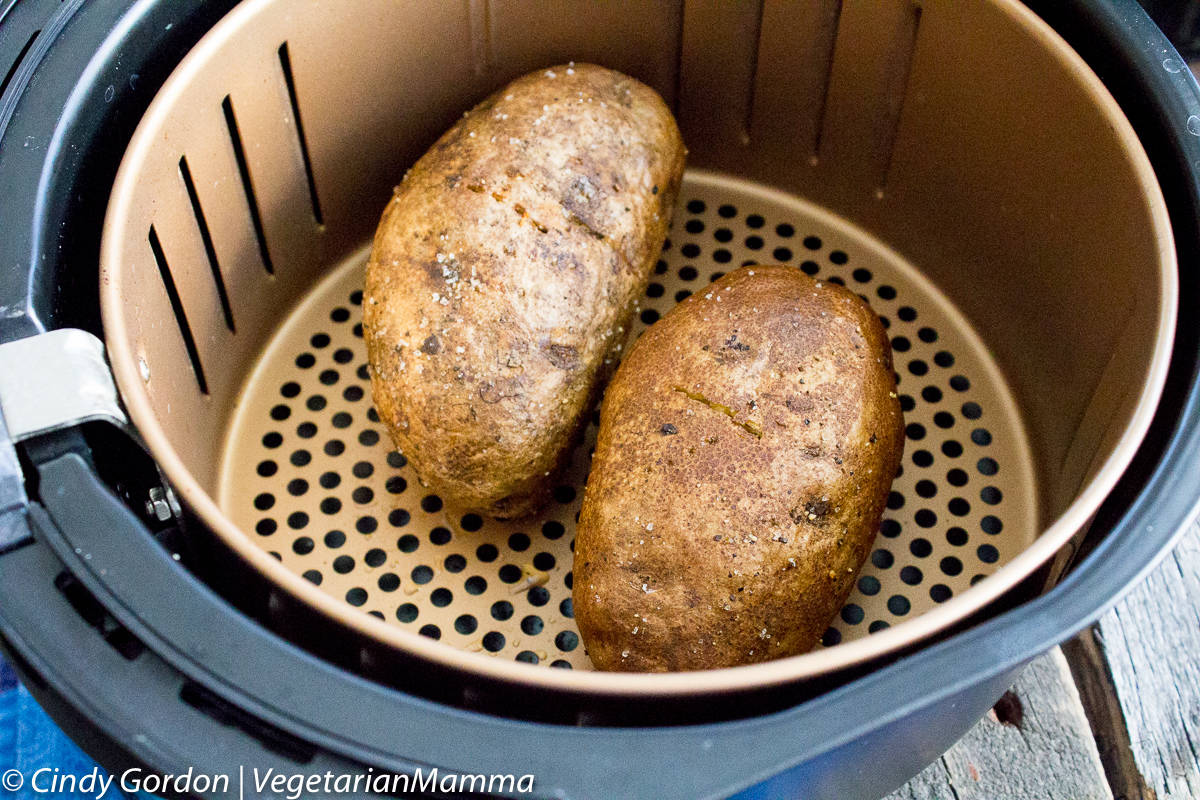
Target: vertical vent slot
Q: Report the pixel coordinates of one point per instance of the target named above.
(829, 43)
(285, 63)
(239, 154)
(8, 76)
(748, 119)
(206, 237)
(185, 330)
(897, 91)
(679, 43)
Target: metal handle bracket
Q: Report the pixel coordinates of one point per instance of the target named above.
(56, 380)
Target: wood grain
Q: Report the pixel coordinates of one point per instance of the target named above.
(1049, 755)
(1151, 642)
(1093, 677)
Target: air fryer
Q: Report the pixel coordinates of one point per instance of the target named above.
(206, 510)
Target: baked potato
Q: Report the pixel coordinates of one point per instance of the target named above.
(503, 275)
(746, 449)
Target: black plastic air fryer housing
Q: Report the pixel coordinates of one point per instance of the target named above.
(152, 649)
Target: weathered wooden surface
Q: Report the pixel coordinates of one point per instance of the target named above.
(1151, 642)
(1093, 678)
(1138, 672)
(1042, 750)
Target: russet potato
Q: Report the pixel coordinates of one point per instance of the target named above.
(746, 449)
(503, 275)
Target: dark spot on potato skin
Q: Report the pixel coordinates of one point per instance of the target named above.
(731, 350)
(732, 343)
(618, 264)
(668, 429)
(431, 346)
(584, 199)
(492, 392)
(563, 356)
(799, 404)
(563, 259)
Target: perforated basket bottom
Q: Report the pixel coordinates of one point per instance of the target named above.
(309, 472)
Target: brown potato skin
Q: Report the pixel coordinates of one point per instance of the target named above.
(503, 275)
(700, 544)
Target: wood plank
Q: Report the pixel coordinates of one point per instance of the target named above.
(1151, 641)
(1093, 678)
(1039, 745)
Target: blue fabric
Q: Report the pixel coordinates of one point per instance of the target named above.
(29, 741)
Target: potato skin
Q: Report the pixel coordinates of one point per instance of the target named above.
(746, 449)
(503, 275)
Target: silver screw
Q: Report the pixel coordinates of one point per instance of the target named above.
(162, 504)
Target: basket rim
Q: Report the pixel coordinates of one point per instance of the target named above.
(733, 679)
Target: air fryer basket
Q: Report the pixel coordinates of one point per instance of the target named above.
(112, 619)
(999, 213)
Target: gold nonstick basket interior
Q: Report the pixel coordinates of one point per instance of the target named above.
(954, 163)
